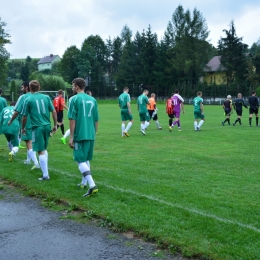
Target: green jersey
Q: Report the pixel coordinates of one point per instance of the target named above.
(141, 103)
(19, 107)
(123, 99)
(84, 110)
(6, 115)
(38, 106)
(3, 104)
(197, 101)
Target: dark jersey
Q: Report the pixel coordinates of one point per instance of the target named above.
(227, 104)
(238, 104)
(253, 102)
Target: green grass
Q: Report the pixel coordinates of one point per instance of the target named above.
(194, 192)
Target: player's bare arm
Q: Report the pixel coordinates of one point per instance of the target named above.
(54, 117)
(182, 107)
(24, 120)
(13, 117)
(96, 126)
(72, 129)
(129, 107)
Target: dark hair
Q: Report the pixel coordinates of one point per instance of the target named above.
(34, 85)
(89, 92)
(26, 84)
(125, 88)
(176, 91)
(80, 82)
(145, 90)
(1, 91)
(199, 92)
(60, 91)
(12, 103)
(253, 92)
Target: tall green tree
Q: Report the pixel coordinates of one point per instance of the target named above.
(68, 66)
(191, 50)
(232, 51)
(4, 55)
(25, 72)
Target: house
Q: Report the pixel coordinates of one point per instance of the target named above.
(214, 72)
(47, 62)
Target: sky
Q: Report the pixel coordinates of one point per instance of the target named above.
(40, 28)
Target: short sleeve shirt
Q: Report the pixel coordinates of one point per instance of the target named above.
(3, 103)
(19, 107)
(196, 103)
(38, 106)
(84, 110)
(123, 99)
(6, 115)
(142, 101)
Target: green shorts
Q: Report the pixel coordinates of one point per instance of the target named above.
(13, 139)
(144, 116)
(197, 115)
(40, 138)
(83, 150)
(28, 135)
(125, 115)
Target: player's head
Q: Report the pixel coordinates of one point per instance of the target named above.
(12, 103)
(79, 83)
(126, 89)
(60, 91)
(25, 87)
(228, 97)
(1, 91)
(176, 91)
(145, 92)
(253, 93)
(153, 95)
(239, 95)
(89, 92)
(199, 93)
(34, 86)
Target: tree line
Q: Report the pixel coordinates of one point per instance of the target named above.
(177, 60)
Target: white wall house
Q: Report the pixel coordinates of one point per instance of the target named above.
(47, 62)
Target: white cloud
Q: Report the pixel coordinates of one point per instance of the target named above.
(39, 28)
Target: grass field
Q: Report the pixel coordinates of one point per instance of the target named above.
(193, 192)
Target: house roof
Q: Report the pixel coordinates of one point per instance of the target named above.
(214, 65)
(47, 59)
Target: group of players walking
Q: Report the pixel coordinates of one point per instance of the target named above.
(147, 110)
(238, 105)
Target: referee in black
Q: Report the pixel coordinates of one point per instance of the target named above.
(228, 109)
(253, 108)
(238, 106)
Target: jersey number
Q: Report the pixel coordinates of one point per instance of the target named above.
(8, 113)
(91, 103)
(42, 105)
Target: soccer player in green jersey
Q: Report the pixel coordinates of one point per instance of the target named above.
(142, 101)
(31, 155)
(10, 132)
(39, 106)
(3, 104)
(83, 116)
(126, 114)
(198, 111)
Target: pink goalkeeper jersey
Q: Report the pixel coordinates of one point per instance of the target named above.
(176, 101)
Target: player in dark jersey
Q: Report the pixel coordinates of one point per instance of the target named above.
(238, 106)
(253, 108)
(228, 109)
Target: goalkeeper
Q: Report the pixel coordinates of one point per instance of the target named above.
(152, 110)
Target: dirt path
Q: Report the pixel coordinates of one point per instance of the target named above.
(30, 231)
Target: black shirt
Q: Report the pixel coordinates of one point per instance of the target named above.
(253, 102)
(227, 104)
(238, 104)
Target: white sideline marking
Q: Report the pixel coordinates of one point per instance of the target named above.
(195, 211)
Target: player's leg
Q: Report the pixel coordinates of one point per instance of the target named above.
(170, 119)
(130, 123)
(147, 120)
(251, 111)
(40, 144)
(14, 140)
(256, 117)
(63, 139)
(123, 128)
(202, 117)
(83, 152)
(155, 118)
